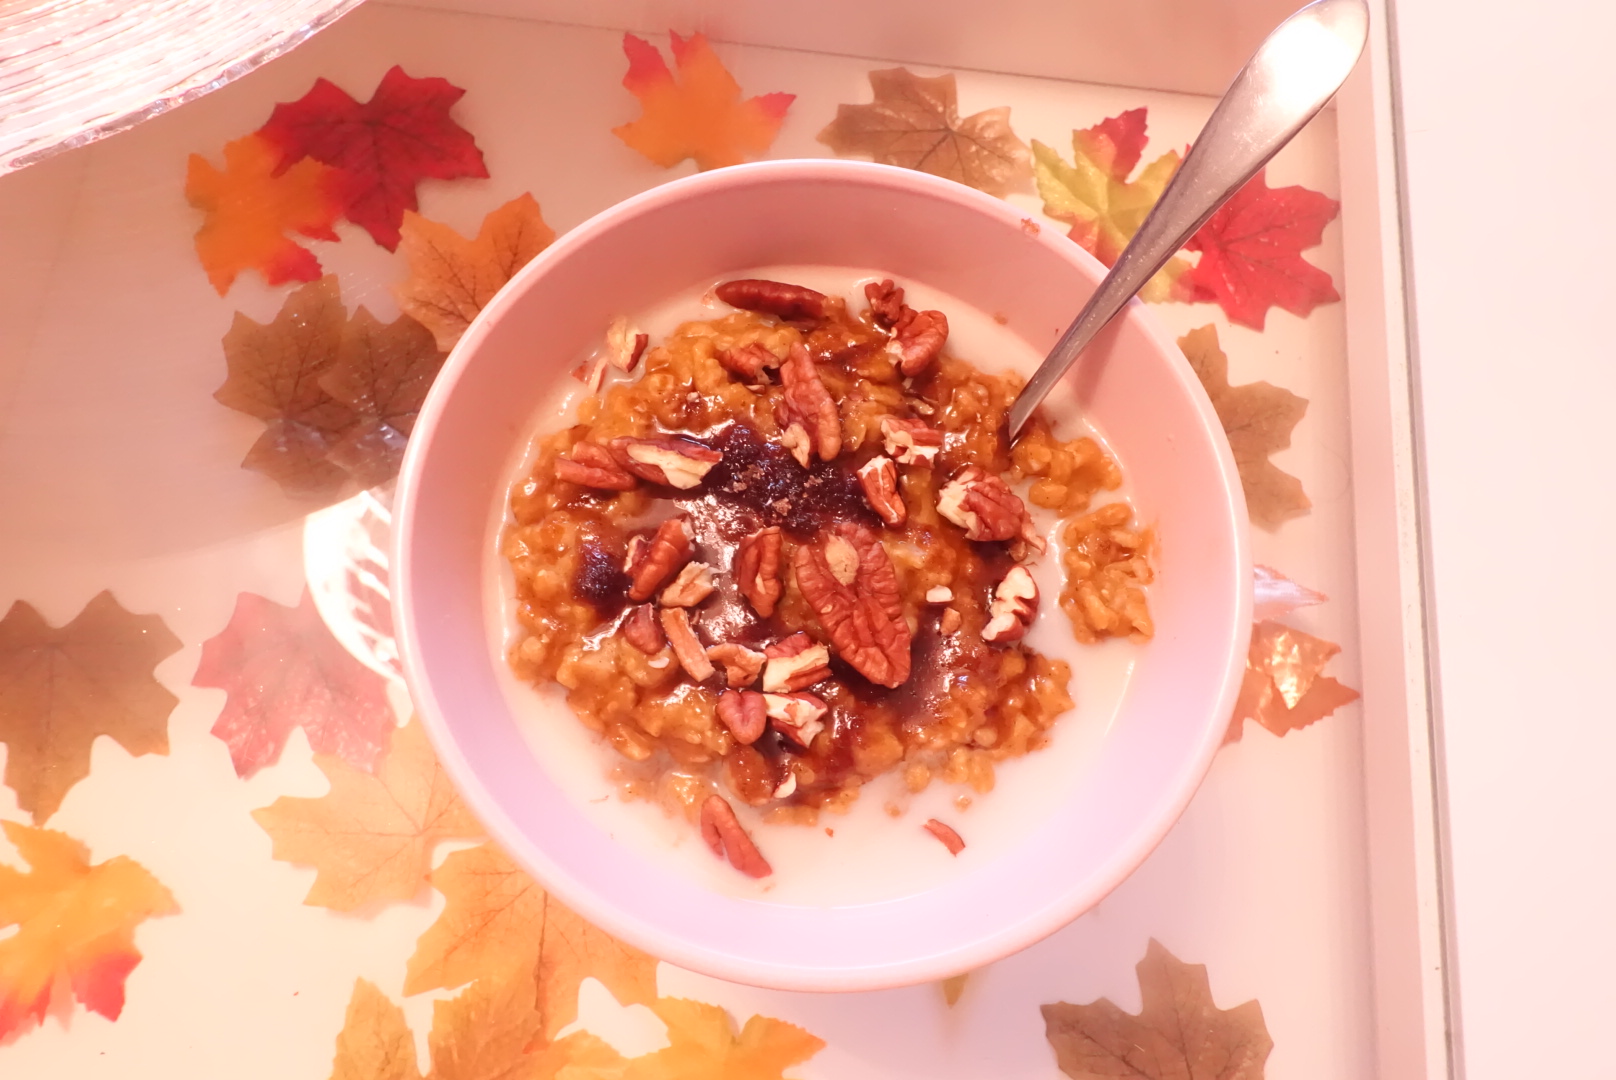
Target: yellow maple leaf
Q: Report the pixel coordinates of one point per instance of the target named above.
(452, 278)
(1096, 197)
(249, 210)
(371, 837)
(700, 115)
(499, 919)
(75, 922)
(375, 1042)
(704, 1046)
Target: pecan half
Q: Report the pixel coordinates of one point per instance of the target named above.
(793, 303)
(651, 562)
(951, 621)
(917, 340)
(748, 361)
(950, 839)
(625, 344)
(693, 585)
(879, 479)
(864, 619)
(686, 646)
(983, 505)
(642, 630)
(723, 833)
(757, 570)
(806, 412)
(676, 462)
(744, 713)
(795, 663)
(886, 302)
(741, 665)
(911, 442)
(797, 717)
(592, 465)
(1015, 602)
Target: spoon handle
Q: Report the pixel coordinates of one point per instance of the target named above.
(1285, 83)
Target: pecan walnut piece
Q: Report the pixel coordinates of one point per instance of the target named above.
(672, 462)
(651, 562)
(757, 569)
(864, 619)
(983, 505)
(879, 479)
(794, 303)
(592, 465)
(807, 415)
(723, 833)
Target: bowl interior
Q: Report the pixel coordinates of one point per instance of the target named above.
(1133, 383)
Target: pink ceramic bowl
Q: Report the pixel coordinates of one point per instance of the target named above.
(1134, 385)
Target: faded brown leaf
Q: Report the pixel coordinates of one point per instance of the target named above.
(914, 122)
(1179, 1033)
(382, 373)
(1284, 687)
(1258, 418)
(375, 1042)
(62, 687)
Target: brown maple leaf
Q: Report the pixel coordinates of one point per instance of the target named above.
(371, 837)
(382, 373)
(497, 917)
(375, 1042)
(1284, 688)
(274, 375)
(62, 687)
(1179, 1034)
(914, 122)
(1258, 418)
(452, 278)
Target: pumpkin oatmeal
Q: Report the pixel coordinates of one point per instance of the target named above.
(788, 555)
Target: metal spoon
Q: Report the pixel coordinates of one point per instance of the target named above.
(1287, 81)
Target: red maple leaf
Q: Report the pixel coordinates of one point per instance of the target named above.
(1251, 253)
(382, 148)
(283, 668)
(1116, 143)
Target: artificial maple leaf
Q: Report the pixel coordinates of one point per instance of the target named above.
(914, 122)
(1179, 1034)
(579, 1056)
(371, 837)
(60, 688)
(1275, 595)
(1284, 688)
(380, 149)
(700, 114)
(250, 208)
(74, 922)
(487, 1032)
(1104, 207)
(498, 918)
(375, 1042)
(274, 375)
(283, 669)
(1251, 252)
(1258, 418)
(703, 1046)
(452, 278)
(953, 987)
(382, 373)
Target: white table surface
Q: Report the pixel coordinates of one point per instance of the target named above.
(1507, 156)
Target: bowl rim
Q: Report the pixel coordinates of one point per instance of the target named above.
(1037, 923)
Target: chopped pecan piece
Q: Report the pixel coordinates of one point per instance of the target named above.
(757, 570)
(675, 462)
(625, 344)
(879, 479)
(911, 442)
(723, 833)
(950, 839)
(686, 646)
(797, 717)
(864, 619)
(886, 302)
(592, 465)
(939, 594)
(1015, 602)
(917, 340)
(741, 665)
(951, 621)
(651, 562)
(794, 664)
(748, 361)
(642, 630)
(806, 412)
(693, 585)
(788, 788)
(983, 505)
(792, 303)
(744, 713)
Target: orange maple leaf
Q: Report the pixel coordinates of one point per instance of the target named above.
(371, 837)
(375, 1042)
(700, 115)
(75, 922)
(1284, 687)
(1178, 1034)
(250, 210)
(703, 1045)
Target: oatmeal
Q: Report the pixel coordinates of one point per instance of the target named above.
(789, 556)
